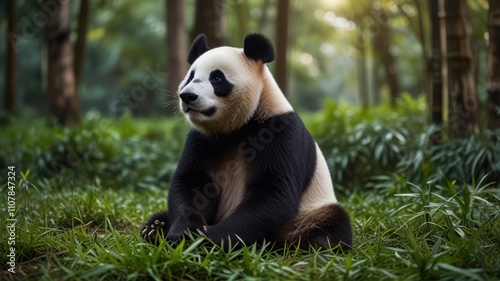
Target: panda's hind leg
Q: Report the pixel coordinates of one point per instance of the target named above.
(325, 227)
(156, 227)
(334, 228)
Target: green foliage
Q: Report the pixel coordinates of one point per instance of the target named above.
(361, 144)
(454, 221)
(464, 159)
(436, 231)
(136, 152)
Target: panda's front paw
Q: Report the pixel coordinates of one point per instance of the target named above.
(150, 231)
(156, 227)
(176, 233)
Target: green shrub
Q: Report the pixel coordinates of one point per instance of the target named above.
(466, 159)
(362, 143)
(119, 152)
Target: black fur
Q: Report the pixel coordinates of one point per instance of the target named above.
(259, 48)
(198, 47)
(190, 78)
(336, 229)
(325, 227)
(153, 229)
(281, 159)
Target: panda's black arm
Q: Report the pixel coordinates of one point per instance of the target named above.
(192, 204)
(193, 198)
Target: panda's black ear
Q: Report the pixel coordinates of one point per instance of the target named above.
(198, 47)
(259, 48)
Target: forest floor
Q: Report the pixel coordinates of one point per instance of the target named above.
(65, 230)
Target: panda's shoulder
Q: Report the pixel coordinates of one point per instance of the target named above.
(287, 124)
(286, 131)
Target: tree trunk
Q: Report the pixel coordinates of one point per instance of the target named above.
(241, 10)
(425, 53)
(436, 91)
(377, 65)
(362, 75)
(282, 46)
(81, 40)
(11, 70)
(389, 65)
(176, 46)
(362, 71)
(377, 75)
(63, 101)
(209, 19)
(494, 65)
(463, 101)
(391, 75)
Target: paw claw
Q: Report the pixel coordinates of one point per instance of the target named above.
(153, 228)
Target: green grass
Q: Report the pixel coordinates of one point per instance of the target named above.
(83, 230)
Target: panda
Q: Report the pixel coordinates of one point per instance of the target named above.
(250, 171)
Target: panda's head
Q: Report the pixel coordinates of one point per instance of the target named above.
(223, 86)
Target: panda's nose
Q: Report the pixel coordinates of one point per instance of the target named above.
(188, 97)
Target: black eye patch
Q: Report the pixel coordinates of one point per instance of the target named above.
(221, 86)
(191, 76)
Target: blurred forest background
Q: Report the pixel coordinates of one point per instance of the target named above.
(125, 55)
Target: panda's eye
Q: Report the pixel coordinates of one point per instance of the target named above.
(216, 76)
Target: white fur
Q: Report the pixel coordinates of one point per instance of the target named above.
(230, 180)
(320, 190)
(272, 101)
